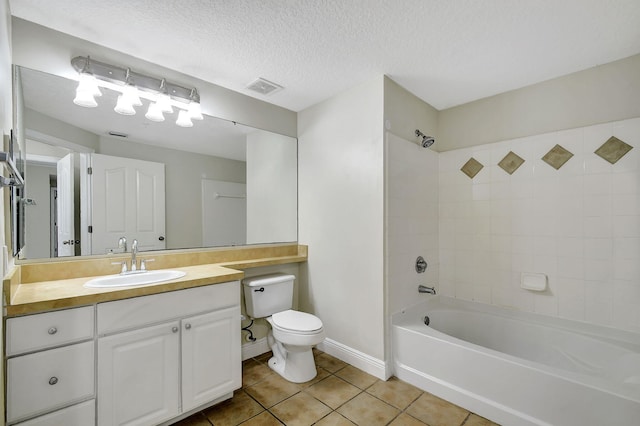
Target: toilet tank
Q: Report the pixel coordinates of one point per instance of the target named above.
(267, 294)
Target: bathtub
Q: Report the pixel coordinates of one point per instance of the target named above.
(518, 368)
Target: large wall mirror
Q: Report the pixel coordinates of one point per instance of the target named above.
(96, 180)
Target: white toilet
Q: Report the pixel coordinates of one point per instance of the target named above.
(292, 334)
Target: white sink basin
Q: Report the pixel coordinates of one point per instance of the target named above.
(135, 279)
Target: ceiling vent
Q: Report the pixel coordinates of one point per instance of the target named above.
(264, 87)
(117, 134)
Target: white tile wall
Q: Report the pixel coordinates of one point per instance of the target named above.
(580, 225)
(411, 220)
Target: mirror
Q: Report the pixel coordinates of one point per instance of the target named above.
(224, 183)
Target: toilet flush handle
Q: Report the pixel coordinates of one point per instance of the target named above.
(261, 289)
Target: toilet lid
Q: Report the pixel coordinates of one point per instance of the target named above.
(296, 321)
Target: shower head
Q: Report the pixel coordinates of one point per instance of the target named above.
(427, 141)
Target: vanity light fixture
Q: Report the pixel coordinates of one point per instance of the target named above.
(162, 95)
(87, 89)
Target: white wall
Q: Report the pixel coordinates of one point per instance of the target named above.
(579, 225)
(341, 216)
(601, 94)
(272, 206)
(411, 220)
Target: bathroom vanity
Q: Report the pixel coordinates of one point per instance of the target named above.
(146, 355)
(154, 358)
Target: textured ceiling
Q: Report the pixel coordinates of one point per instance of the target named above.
(446, 52)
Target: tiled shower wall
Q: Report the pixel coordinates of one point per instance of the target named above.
(579, 225)
(411, 220)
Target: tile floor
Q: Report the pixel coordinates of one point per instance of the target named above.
(339, 395)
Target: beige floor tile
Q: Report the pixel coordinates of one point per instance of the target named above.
(436, 412)
(476, 420)
(333, 391)
(395, 392)
(234, 411)
(356, 377)
(334, 419)
(272, 390)
(329, 363)
(300, 410)
(406, 420)
(254, 372)
(263, 419)
(367, 410)
(196, 420)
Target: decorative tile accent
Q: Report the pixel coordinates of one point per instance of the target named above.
(511, 162)
(557, 156)
(613, 150)
(471, 167)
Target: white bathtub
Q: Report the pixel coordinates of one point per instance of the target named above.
(518, 368)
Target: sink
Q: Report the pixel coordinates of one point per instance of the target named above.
(135, 278)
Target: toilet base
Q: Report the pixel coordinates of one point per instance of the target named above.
(294, 364)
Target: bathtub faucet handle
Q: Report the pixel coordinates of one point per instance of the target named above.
(425, 289)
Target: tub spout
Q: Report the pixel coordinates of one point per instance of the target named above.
(425, 289)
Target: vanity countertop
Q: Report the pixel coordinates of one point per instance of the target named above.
(26, 292)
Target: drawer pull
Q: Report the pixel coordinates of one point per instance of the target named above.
(53, 380)
(187, 326)
(52, 330)
(174, 329)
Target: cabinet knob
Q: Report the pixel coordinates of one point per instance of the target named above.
(187, 326)
(52, 330)
(174, 329)
(53, 380)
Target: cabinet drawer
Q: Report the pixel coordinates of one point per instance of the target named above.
(47, 380)
(136, 312)
(83, 414)
(41, 331)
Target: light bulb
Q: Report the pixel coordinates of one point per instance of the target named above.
(124, 106)
(195, 112)
(88, 83)
(183, 119)
(154, 113)
(85, 99)
(86, 91)
(164, 103)
(131, 94)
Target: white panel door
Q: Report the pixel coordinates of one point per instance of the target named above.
(138, 376)
(224, 213)
(64, 204)
(211, 358)
(128, 200)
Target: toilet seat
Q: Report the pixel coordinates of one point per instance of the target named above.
(296, 322)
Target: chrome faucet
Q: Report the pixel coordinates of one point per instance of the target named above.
(134, 252)
(425, 289)
(122, 244)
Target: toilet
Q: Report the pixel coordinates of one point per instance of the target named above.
(292, 334)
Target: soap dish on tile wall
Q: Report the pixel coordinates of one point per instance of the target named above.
(533, 281)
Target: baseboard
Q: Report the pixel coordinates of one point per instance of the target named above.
(253, 349)
(364, 362)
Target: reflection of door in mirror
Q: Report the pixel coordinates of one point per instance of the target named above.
(128, 200)
(65, 207)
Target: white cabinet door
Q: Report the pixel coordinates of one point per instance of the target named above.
(138, 376)
(211, 359)
(128, 201)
